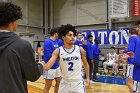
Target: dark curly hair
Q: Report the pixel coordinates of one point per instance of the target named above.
(137, 22)
(54, 30)
(64, 29)
(132, 31)
(9, 13)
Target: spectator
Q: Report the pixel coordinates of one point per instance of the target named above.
(16, 55)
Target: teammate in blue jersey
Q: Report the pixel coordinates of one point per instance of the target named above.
(60, 42)
(89, 54)
(54, 73)
(135, 60)
(79, 40)
(71, 58)
(131, 48)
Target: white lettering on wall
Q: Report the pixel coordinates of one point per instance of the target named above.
(116, 37)
(102, 35)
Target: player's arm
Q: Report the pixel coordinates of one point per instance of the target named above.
(52, 60)
(85, 63)
(132, 59)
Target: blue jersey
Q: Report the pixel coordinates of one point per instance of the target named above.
(78, 42)
(49, 47)
(60, 42)
(136, 61)
(132, 44)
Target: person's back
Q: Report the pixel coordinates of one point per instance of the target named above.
(60, 42)
(132, 43)
(17, 61)
(136, 62)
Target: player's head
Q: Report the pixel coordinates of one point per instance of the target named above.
(96, 41)
(112, 49)
(90, 38)
(138, 26)
(124, 48)
(132, 31)
(120, 51)
(67, 33)
(54, 32)
(79, 36)
(9, 16)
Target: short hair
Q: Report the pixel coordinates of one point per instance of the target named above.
(96, 39)
(133, 31)
(137, 22)
(54, 30)
(9, 13)
(64, 29)
(112, 47)
(89, 36)
(78, 33)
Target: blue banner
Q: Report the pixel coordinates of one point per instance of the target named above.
(116, 37)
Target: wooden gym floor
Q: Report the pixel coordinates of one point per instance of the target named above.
(37, 87)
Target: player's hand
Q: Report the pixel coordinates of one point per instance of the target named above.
(92, 61)
(124, 58)
(131, 54)
(42, 62)
(88, 83)
(85, 42)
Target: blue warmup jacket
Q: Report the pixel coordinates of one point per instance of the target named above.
(96, 51)
(132, 44)
(88, 49)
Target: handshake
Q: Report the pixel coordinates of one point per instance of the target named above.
(43, 63)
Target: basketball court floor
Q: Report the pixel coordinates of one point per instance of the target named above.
(109, 85)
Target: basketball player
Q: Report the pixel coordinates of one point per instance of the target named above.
(54, 73)
(111, 59)
(71, 58)
(79, 41)
(131, 48)
(135, 60)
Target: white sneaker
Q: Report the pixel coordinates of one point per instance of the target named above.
(92, 81)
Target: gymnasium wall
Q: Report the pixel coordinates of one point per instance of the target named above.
(79, 12)
(32, 19)
(88, 14)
